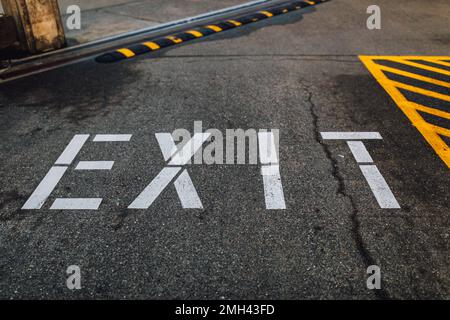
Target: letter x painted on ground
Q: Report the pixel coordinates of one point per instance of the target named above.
(183, 183)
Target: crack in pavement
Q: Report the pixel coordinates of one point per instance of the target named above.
(341, 190)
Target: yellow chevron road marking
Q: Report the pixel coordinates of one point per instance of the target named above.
(431, 132)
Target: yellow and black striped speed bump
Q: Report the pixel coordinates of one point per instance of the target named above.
(199, 32)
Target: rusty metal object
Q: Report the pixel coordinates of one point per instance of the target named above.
(8, 32)
(38, 24)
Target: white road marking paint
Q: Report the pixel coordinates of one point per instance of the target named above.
(350, 135)
(270, 170)
(45, 188)
(112, 137)
(48, 184)
(379, 187)
(359, 151)
(183, 184)
(166, 144)
(267, 148)
(273, 189)
(94, 165)
(183, 156)
(154, 189)
(72, 149)
(268, 154)
(186, 192)
(76, 204)
(377, 183)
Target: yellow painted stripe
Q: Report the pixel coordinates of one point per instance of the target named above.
(215, 28)
(415, 76)
(174, 39)
(407, 57)
(267, 13)
(126, 52)
(418, 90)
(195, 33)
(442, 131)
(427, 131)
(151, 45)
(236, 23)
(420, 66)
(442, 63)
(310, 2)
(434, 61)
(435, 130)
(434, 112)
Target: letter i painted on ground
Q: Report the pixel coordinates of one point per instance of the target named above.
(270, 171)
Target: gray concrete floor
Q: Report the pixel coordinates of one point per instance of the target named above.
(100, 19)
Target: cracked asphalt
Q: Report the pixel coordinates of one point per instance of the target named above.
(299, 73)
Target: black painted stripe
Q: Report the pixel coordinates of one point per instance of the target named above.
(185, 36)
(181, 37)
(205, 31)
(225, 25)
(163, 42)
(139, 49)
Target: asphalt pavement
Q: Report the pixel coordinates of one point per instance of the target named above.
(300, 73)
